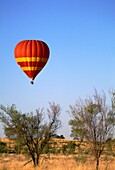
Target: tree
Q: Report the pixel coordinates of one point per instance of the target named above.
(93, 122)
(58, 136)
(29, 129)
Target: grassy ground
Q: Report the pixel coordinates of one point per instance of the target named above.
(59, 162)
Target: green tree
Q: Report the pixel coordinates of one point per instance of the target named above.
(93, 122)
(31, 129)
(58, 136)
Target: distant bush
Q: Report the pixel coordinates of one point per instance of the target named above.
(3, 147)
(69, 148)
(58, 136)
(51, 148)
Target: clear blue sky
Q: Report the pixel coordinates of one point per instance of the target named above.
(81, 38)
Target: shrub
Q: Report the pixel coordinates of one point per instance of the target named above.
(3, 147)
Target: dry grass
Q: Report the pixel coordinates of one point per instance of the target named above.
(59, 162)
(55, 162)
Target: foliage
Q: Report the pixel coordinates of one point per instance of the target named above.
(58, 136)
(51, 148)
(31, 129)
(3, 147)
(69, 148)
(93, 121)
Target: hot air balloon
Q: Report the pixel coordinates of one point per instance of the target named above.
(31, 56)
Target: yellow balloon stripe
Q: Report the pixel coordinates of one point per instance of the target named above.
(31, 68)
(31, 59)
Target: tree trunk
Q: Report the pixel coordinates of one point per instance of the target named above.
(97, 164)
(34, 160)
(37, 159)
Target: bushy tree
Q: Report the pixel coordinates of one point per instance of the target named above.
(31, 129)
(93, 122)
(58, 136)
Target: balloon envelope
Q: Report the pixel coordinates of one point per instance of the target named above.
(31, 56)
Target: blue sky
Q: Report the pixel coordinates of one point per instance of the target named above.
(81, 38)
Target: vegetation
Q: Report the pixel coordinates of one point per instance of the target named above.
(34, 134)
(69, 148)
(31, 129)
(93, 122)
(56, 162)
(58, 136)
(3, 147)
